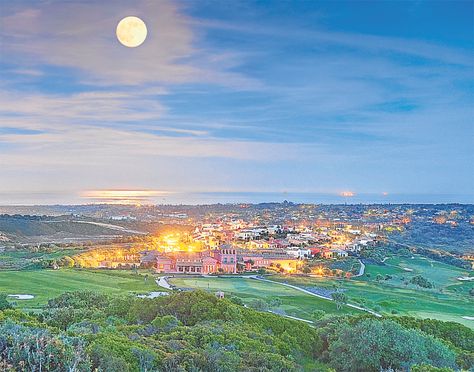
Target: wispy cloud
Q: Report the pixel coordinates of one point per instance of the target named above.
(354, 41)
(81, 35)
(209, 104)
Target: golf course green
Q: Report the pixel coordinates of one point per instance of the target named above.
(47, 284)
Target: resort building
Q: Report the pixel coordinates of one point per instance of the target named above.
(222, 260)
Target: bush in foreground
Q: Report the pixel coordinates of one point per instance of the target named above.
(195, 331)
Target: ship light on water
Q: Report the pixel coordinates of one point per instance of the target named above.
(347, 194)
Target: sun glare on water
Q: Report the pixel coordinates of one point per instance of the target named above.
(129, 197)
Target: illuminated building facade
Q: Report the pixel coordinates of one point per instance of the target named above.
(222, 260)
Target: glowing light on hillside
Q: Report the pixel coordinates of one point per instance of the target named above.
(318, 270)
(116, 256)
(178, 242)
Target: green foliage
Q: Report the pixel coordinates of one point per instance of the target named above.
(119, 351)
(275, 302)
(220, 345)
(82, 299)
(74, 307)
(371, 345)
(318, 314)
(190, 308)
(62, 317)
(195, 331)
(421, 281)
(103, 360)
(66, 261)
(165, 323)
(339, 298)
(460, 337)
(32, 349)
(373, 253)
(237, 300)
(454, 333)
(258, 304)
(4, 304)
(428, 368)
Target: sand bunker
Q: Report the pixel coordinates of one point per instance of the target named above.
(22, 296)
(468, 317)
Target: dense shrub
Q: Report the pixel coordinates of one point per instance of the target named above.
(372, 345)
(195, 331)
(421, 281)
(34, 349)
(4, 304)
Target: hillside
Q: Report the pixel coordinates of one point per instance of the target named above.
(459, 238)
(32, 229)
(195, 331)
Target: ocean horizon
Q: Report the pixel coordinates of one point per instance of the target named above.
(197, 198)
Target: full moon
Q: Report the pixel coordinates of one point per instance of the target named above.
(131, 31)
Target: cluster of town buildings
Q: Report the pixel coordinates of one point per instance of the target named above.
(232, 246)
(233, 238)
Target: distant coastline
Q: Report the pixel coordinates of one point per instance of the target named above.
(198, 198)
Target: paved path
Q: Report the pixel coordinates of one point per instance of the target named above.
(314, 294)
(362, 269)
(163, 282)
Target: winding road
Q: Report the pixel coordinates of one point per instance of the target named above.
(314, 294)
(163, 282)
(361, 270)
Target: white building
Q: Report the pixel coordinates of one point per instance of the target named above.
(298, 252)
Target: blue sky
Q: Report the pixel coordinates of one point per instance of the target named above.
(229, 96)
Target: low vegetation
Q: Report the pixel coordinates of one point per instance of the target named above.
(195, 331)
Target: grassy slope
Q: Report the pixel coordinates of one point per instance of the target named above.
(295, 303)
(46, 284)
(451, 304)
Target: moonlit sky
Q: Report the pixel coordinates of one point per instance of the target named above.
(229, 96)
